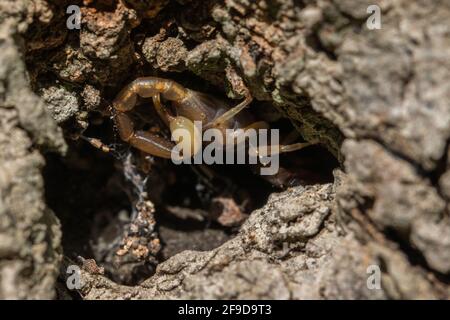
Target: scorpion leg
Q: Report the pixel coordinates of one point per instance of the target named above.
(282, 148)
(291, 137)
(96, 143)
(294, 146)
(230, 113)
(257, 125)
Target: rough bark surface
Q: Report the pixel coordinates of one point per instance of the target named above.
(30, 235)
(378, 100)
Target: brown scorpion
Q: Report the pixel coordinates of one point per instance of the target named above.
(188, 106)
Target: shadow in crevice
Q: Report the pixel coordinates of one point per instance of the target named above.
(415, 256)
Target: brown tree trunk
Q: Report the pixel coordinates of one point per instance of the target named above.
(376, 100)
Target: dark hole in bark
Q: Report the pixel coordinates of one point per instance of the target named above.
(96, 203)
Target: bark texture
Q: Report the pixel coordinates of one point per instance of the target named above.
(378, 100)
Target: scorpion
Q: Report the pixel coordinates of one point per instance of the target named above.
(188, 106)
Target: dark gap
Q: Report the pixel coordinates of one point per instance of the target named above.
(94, 202)
(87, 191)
(103, 5)
(76, 188)
(315, 43)
(441, 168)
(420, 170)
(415, 256)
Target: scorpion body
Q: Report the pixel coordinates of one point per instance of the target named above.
(188, 106)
